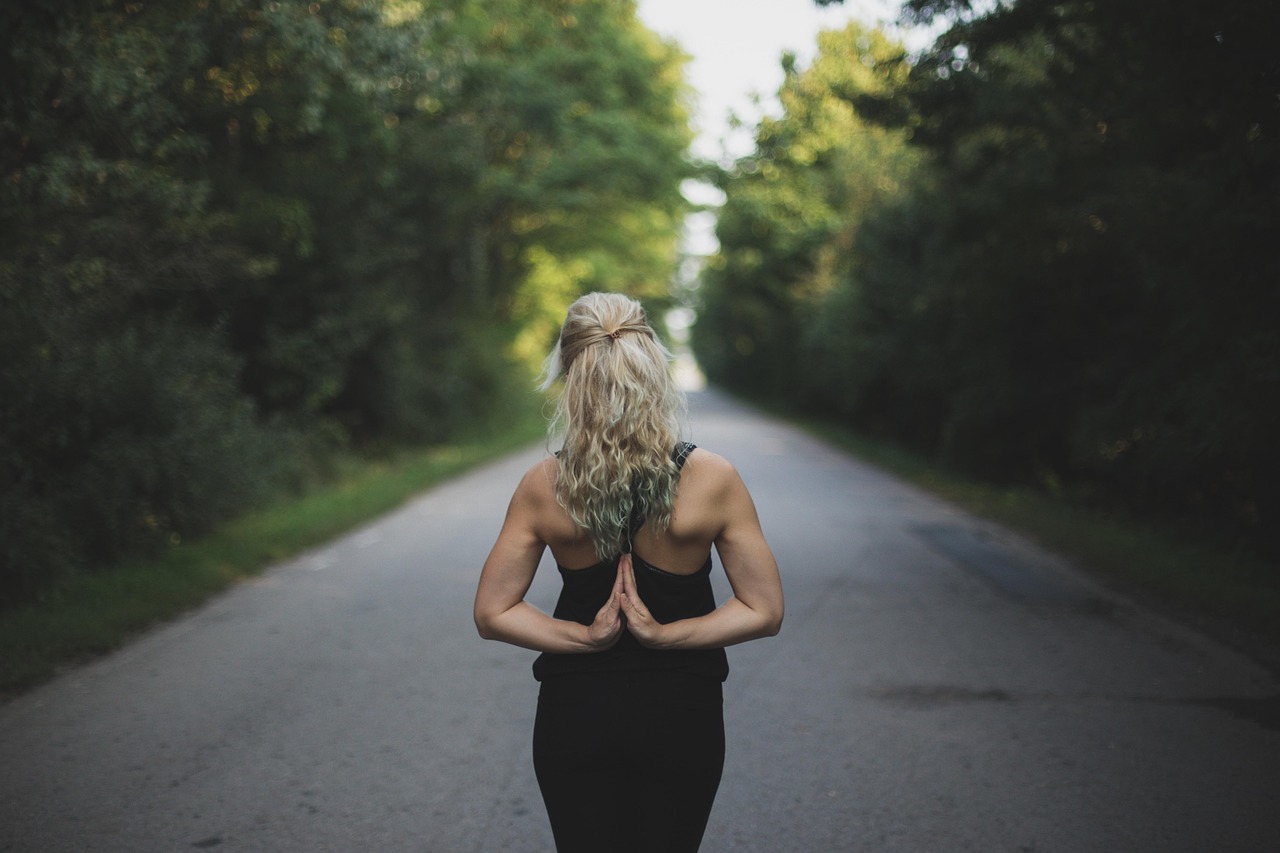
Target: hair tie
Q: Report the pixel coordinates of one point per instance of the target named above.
(615, 334)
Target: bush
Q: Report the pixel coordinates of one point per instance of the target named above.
(121, 443)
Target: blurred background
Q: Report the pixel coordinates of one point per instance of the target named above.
(1034, 241)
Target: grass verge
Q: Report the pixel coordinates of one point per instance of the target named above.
(93, 613)
(1234, 595)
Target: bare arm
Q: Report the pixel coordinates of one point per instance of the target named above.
(501, 613)
(756, 608)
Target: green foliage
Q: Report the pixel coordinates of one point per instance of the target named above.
(236, 234)
(123, 424)
(793, 211)
(1114, 225)
(1073, 283)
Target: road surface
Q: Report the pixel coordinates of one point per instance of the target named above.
(939, 685)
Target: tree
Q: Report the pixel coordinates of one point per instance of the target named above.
(1116, 214)
(793, 210)
(122, 422)
(1074, 281)
(236, 234)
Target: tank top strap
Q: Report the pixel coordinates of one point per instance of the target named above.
(681, 453)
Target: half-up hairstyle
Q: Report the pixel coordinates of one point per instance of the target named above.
(620, 413)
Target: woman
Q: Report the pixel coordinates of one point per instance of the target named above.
(628, 741)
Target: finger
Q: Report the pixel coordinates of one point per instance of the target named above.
(634, 606)
(630, 591)
(628, 574)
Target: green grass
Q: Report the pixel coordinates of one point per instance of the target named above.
(89, 614)
(1235, 594)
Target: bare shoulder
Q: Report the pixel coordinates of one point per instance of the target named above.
(710, 473)
(709, 464)
(716, 500)
(543, 473)
(538, 484)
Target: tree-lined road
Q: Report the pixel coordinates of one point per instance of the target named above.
(939, 685)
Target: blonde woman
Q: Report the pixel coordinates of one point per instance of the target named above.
(628, 741)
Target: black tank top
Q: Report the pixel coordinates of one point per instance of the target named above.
(667, 596)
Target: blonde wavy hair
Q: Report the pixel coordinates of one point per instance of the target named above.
(620, 413)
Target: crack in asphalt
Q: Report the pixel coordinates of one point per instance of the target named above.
(1262, 710)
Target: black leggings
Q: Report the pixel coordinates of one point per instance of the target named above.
(629, 762)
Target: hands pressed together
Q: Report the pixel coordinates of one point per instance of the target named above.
(624, 607)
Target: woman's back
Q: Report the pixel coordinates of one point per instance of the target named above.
(700, 516)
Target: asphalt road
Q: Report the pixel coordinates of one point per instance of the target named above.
(939, 685)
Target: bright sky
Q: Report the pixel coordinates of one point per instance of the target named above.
(736, 47)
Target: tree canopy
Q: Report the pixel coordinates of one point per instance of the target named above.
(1069, 276)
(236, 234)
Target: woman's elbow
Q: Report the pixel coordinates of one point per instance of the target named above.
(770, 621)
(773, 624)
(485, 626)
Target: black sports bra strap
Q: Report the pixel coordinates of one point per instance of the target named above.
(681, 454)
